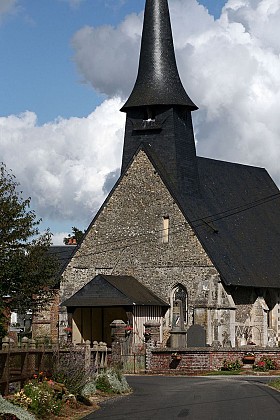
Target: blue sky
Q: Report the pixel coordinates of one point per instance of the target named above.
(63, 140)
(37, 71)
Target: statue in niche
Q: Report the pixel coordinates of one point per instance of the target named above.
(177, 316)
(180, 294)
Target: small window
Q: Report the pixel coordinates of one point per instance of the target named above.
(165, 229)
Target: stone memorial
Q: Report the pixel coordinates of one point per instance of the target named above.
(196, 336)
(178, 332)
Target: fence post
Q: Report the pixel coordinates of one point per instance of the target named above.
(105, 356)
(103, 351)
(24, 360)
(5, 377)
(24, 343)
(32, 357)
(118, 337)
(87, 356)
(41, 355)
(95, 348)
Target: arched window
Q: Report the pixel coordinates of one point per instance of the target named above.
(179, 292)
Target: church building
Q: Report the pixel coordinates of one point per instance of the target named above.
(176, 227)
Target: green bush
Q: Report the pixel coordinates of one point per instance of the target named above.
(264, 364)
(102, 383)
(89, 389)
(39, 398)
(112, 381)
(229, 366)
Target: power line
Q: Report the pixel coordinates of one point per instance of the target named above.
(205, 220)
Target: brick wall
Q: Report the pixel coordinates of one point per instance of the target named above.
(197, 361)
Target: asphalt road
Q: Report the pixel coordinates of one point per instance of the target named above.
(190, 398)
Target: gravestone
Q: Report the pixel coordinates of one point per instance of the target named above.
(196, 336)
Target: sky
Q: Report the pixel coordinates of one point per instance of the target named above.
(67, 66)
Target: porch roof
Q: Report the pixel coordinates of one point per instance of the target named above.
(107, 291)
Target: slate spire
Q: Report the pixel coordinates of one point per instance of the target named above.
(159, 110)
(158, 81)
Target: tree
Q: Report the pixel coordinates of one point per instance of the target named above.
(75, 237)
(28, 271)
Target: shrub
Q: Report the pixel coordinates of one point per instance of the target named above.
(89, 389)
(20, 398)
(38, 397)
(228, 365)
(7, 407)
(270, 364)
(102, 383)
(265, 364)
(112, 381)
(69, 369)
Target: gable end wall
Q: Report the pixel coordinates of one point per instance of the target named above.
(126, 239)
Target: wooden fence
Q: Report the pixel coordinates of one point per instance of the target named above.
(21, 362)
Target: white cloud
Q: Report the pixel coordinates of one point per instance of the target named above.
(57, 238)
(230, 68)
(107, 57)
(63, 165)
(7, 7)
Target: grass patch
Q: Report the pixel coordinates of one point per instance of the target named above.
(275, 384)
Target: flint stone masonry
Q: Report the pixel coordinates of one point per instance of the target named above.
(125, 238)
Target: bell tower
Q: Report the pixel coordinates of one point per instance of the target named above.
(159, 109)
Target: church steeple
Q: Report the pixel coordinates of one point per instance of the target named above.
(158, 81)
(159, 109)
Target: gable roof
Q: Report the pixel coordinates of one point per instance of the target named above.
(63, 253)
(236, 218)
(107, 291)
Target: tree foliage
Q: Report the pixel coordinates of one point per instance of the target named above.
(28, 271)
(76, 234)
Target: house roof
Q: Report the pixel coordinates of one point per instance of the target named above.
(104, 290)
(158, 81)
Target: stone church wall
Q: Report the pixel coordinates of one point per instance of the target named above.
(126, 238)
(257, 316)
